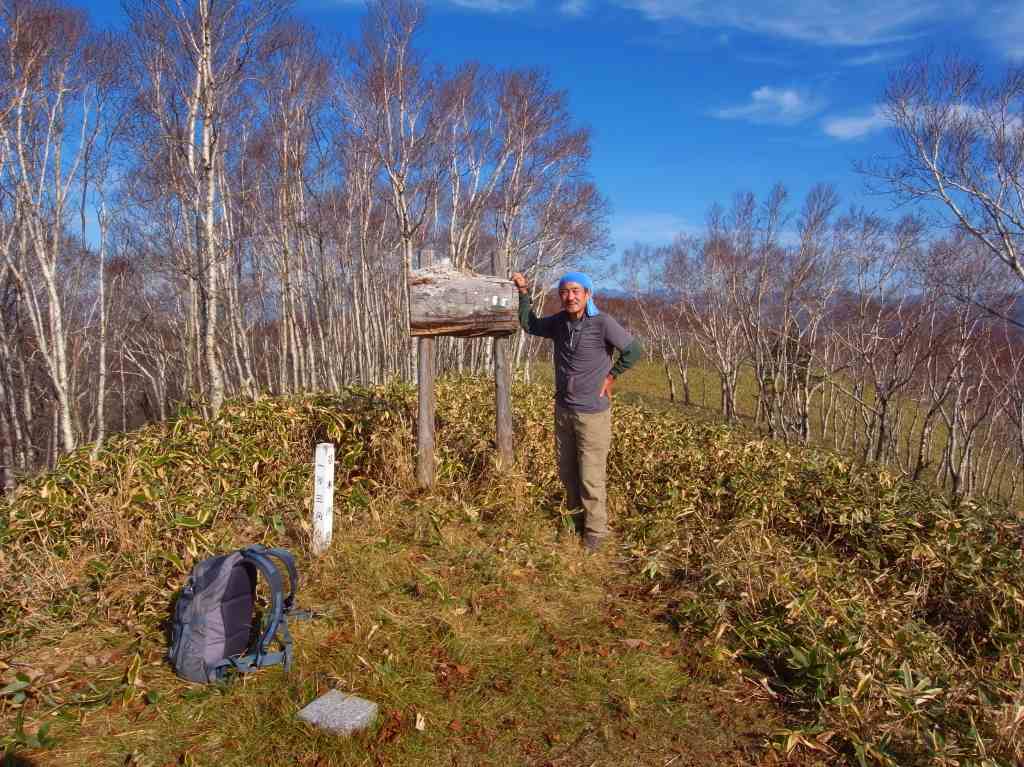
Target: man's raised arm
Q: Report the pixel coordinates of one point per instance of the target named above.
(530, 322)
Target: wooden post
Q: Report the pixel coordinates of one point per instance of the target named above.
(425, 415)
(503, 402)
(502, 390)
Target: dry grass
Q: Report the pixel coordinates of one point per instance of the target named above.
(471, 606)
(763, 604)
(889, 623)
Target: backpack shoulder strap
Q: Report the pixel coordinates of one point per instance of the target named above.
(285, 557)
(277, 600)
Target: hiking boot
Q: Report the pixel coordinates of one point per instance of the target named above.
(591, 543)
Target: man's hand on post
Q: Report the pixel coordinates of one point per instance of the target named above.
(520, 282)
(606, 388)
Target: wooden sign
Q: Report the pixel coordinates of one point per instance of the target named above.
(444, 301)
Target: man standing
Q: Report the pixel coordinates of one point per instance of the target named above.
(584, 374)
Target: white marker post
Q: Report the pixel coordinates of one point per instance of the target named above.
(323, 497)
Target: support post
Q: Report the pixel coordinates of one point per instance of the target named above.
(323, 497)
(425, 414)
(503, 402)
(502, 388)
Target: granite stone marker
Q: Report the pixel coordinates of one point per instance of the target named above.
(339, 713)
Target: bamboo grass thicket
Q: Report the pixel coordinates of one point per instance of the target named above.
(885, 620)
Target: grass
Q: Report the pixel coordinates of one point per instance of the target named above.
(762, 604)
(470, 609)
(511, 655)
(647, 384)
(889, 623)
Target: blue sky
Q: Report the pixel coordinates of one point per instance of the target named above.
(690, 101)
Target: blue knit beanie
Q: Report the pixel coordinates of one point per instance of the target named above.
(584, 282)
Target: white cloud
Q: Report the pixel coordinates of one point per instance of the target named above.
(574, 7)
(875, 57)
(856, 126)
(849, 22)
(494, 6)
(785, 106)
(988, 121)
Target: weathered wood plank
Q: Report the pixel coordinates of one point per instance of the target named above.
(503, 402)
(425, 468)
(444, 301)
(503, 380)
(427, 403)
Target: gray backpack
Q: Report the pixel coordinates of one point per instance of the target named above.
(212, 631)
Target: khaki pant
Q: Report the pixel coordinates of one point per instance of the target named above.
(582, 441)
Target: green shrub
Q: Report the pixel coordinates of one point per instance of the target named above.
(887, 623)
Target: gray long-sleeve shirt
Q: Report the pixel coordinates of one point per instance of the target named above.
(583, 354)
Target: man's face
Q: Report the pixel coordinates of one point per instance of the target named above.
(574, 297)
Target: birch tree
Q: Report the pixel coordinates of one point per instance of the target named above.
(48, 125)
(389, 99)
(194, 58)
(718, 266)
(961, 144)
(547, 213)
